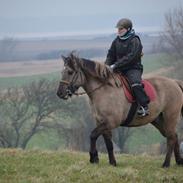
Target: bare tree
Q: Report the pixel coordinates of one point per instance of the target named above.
(35, 108)
(25, 112)
(171, 40)
(14, 113)
(173, 31)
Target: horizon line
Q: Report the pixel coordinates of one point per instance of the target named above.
(71, 34)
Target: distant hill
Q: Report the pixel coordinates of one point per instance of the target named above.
(40, 49)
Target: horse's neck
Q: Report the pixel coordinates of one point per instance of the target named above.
(96, 75)
(91, 85)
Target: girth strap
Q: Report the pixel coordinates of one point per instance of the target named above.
(130, 115)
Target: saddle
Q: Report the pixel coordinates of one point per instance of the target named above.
(148, 87)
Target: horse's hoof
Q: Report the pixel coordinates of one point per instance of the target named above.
(113, 163)
(94, 157)
(94, 160)
(180, 162)
(165, 165)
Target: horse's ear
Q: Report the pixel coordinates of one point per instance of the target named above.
(63, 58)
(67, 61)
(74, 60)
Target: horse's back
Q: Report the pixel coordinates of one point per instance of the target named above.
(161, 83)
(168, 90)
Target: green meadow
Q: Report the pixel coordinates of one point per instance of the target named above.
(17, 166)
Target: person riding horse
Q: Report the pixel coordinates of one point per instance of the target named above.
(124, 56)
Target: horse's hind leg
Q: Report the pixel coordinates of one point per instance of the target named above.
(171, 140)
(93, 138)
(166, 125)
(109, 145)
(171, 117)
(178, 158)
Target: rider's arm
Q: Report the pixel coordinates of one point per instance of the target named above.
(111, 55)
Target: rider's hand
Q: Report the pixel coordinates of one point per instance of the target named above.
(113, 67)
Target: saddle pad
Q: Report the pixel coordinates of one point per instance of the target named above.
(148, 87)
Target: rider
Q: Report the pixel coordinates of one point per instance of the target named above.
(124, 56)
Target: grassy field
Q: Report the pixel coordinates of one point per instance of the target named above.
(153, 62)
(19, 81)
(17, 166)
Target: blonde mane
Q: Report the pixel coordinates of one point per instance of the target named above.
(96, 69)
(101, 71)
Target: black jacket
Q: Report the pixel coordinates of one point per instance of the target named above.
(125, 54)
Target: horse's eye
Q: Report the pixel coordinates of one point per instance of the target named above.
(70, 72)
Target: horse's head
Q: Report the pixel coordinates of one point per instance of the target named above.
(72, 77)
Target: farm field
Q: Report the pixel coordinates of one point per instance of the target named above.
(19, 73)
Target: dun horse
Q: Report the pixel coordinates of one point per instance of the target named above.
(110, 106)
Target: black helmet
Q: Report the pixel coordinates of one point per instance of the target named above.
(124, 23)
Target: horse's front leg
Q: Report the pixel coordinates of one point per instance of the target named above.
(93, 138)
(109, 145)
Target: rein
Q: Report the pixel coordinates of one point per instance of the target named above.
(82, 93)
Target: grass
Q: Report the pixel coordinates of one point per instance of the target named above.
(17, 166)
(153, 62)
(22, 80)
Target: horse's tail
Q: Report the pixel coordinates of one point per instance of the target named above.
(180, 83)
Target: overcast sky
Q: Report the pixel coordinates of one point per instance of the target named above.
(73, 16)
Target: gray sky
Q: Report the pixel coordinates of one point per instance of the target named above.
(64, 16)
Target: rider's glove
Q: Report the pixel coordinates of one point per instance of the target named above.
(113, 67)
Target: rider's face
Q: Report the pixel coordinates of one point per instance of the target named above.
(122, 31)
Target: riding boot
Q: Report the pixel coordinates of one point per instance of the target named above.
(141, 98)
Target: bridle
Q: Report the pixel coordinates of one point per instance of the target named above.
(70, 87)
(71, 90)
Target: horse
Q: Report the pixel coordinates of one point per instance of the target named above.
(110, 105)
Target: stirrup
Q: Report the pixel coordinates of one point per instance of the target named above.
(143, 111)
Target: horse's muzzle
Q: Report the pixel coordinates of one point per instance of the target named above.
(62, 92)
(64, 95)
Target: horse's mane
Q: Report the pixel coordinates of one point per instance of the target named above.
(98, 70)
